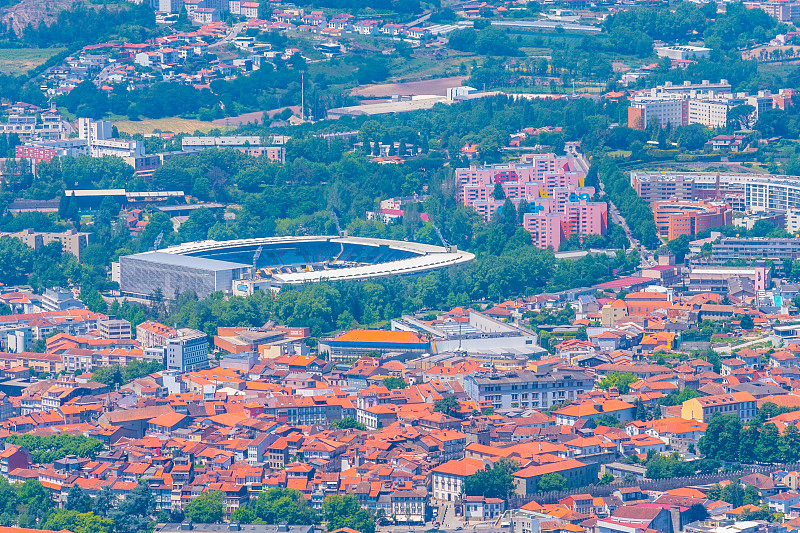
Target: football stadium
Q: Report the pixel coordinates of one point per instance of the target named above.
(243, 266)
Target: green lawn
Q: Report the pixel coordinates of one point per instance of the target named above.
(18, 61)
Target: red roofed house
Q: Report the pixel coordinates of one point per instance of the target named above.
(447, 479)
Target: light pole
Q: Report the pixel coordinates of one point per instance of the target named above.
(302, 96)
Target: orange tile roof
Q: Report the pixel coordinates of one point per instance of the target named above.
(376, 336)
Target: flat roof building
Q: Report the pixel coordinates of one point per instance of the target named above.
(674, 219)
(143, 274)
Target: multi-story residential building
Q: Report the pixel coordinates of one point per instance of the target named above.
(114, 329)
(150, 334)
(72, 241)
(712, 113)
(60, 299)
(679, 105)
(674, 219)
(673, 110)
(558, 205)
(742, 404)
(27, 127)
(527, 389)
(783, 11)
(187, 350)
(753, 192)
(747, 248)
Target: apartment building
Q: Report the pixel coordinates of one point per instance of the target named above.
(742, 404)
(680, 105)
(672, 110)
(49, 126)
(114, 328)
(783, 11)
(581, 217)
(527, 389)
(730, 248)
(674, 219)
(251, 145)
(72, 241)
(187, 350)
(558, 204)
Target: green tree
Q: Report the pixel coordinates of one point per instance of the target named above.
(78, 500)
(208, 508)
(721, 440)
(746, 322)
(447, 405)
(394, 383)
(768, 448)
(605, 479)
(552, 482)
(790, 444)
(348, 423)
(77, 522)
(620, 380)
(34, 503)
(134, 513)
(492, 482)
(104, 501)
(345, 511)
(277, 505)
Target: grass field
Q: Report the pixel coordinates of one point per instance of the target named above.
(18, 61)
(173, 124)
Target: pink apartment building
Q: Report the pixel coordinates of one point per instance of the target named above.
(559, 206)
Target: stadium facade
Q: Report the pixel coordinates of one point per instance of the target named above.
(244, 266)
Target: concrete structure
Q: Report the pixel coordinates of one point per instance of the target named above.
(527, 389)
(142, 274)
(683, 52)
(114, 328)
(674, 219)
(715, 278)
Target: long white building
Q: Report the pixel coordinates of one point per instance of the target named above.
(743, 192)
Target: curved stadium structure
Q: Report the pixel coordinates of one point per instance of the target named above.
(245, 265)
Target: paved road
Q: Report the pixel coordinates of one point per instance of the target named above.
(425, 16)
(617, 218)
(231, 35)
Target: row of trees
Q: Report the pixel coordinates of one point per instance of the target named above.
(51, 448)
(635, 210)
(728, 439)
(118, 375)
(277, 505)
